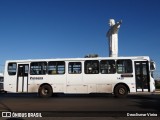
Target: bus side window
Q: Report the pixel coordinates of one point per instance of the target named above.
(107, 66)
(38, 68)
(91, 67)
(74, 68)
(12, 68)
(1, 79)
(56, 67)
(124, 66)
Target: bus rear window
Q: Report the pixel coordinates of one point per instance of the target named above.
(12, 68)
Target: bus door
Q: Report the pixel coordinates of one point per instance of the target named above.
(74, 78)
(142, 76)
(22, 78)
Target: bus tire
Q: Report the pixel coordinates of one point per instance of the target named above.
(45, 91)
(120, 91)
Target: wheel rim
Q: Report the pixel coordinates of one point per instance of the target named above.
(122, 91)
(45, 91)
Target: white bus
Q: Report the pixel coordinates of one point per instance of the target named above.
(120, 76)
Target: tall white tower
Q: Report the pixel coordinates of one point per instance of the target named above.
(112, 35)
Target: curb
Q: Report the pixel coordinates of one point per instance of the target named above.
(157, 90)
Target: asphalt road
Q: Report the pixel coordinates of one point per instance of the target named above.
(93, 105)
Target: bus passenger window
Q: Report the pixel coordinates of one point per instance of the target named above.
(92, 67)
(38, 68)
(56, 67)
(12, 68)
(1, 79)
(74, 67)
(124, 66)
(107, 66)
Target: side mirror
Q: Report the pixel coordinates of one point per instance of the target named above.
(152, 66)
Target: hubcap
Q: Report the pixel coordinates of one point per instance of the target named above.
(122, 91)
(45, 91)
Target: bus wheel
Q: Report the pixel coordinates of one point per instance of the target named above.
(120, 91)
(45, 91)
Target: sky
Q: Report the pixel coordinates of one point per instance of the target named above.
(35, 29)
